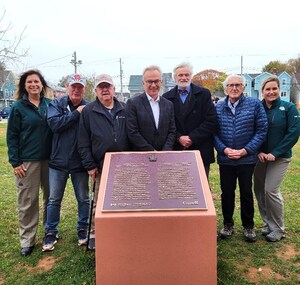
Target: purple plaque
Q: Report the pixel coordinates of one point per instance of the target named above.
(151, 181)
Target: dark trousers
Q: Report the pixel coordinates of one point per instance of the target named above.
(228, 177)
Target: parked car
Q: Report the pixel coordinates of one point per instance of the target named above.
(4, 113)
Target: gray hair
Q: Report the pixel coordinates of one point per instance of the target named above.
(272, 78)
(225, 82)
(183, 65)
(152, 67)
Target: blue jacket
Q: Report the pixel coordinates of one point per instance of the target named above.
(246, 129)
(64, 125)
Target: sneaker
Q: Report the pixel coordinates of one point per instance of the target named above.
(226, 232)
(91, 244)
(249, 235)
(275, 236)
(49, 242)
(82, 237)
(265, 231)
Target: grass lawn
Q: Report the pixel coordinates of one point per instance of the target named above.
(238, 262)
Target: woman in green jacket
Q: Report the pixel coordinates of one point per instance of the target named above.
(274, 158)
(29, 145)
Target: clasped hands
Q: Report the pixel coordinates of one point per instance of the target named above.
(235, 153)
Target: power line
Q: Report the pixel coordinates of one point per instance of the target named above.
(50, 61)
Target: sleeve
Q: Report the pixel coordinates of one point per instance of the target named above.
(171, 137)
(209, 125)
(84, 141)
(60, 118)
(13, 137)
(292, 133)
(261, 129)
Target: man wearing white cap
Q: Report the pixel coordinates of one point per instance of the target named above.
(102, 128)
(65, 161)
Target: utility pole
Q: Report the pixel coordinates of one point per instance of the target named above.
(241, 65)
(121, 79)
(75, 62)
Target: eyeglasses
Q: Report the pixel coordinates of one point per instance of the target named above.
(150, 82)
(236, 85)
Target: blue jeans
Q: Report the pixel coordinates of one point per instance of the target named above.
(58, 180)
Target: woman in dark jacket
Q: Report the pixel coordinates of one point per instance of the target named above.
(274, 158)
(29, 145)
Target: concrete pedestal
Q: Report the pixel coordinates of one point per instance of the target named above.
(156, 247)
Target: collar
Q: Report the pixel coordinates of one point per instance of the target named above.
(188, 89)
(151, 99)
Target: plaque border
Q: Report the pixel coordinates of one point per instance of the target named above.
(197, 158)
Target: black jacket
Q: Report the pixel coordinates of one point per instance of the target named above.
(198, 120)
(99, 133)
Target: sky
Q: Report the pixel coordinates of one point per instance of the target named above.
(107, 36)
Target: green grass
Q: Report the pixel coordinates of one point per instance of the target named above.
(238, 261)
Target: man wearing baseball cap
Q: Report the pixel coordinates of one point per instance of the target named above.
(65, 161)
(102, 128)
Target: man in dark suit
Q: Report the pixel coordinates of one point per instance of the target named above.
(195, 115)
(149, 117)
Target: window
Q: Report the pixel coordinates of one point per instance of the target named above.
(283, 81)
(283, 94)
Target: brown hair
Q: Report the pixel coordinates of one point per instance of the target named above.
(21, 86)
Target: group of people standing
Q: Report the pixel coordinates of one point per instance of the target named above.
(50, 141)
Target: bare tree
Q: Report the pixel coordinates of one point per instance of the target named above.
(10, 47)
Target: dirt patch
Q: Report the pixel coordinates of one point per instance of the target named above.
(45, 264)
(288, 252)
(1, 280)
(257, 275)
(263, 273)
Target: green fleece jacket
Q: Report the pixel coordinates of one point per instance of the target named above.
(283, 130)
(28, 134)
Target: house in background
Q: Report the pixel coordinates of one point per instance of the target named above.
(254, 81)
(136, 87)
(7, 88)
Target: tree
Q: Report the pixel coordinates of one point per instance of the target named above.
(10, 48)
(294, 64)
(277, 66)
(210, 79)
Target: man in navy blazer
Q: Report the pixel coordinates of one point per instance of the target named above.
(195, 115)
(149, 117)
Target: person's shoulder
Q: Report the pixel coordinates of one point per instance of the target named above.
(137, 98)
(170, 93)
(288, 106)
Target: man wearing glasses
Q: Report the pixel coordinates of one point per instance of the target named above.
(150, 117)
(242, 128)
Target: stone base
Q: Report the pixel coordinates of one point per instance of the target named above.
(156, 248)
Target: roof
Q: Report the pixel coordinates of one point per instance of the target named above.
(3, 76)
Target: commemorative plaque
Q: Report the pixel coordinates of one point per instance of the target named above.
(151, 181)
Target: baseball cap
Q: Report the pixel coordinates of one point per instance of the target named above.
(103, 78)
(77, 78)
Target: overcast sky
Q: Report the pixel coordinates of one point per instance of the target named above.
(208, 34)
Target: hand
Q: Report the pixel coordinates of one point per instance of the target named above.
(235, 153)
(93, 173)
(262, 157)
(185, 141)
(20, 171)
(80, 108)
(270, 157)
